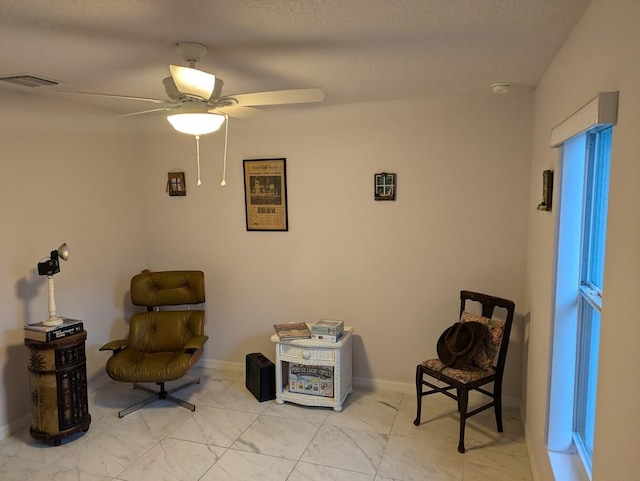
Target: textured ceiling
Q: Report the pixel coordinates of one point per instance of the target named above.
(356, 51)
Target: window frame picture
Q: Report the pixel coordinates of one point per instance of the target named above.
(384, 186)
(176, 185)
(265, 194)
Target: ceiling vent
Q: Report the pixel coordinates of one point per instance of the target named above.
(28, 80)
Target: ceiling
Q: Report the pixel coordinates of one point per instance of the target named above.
(355, 50)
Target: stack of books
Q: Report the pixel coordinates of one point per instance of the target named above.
(327, 330)
(42, 333)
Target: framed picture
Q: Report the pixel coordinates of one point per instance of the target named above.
(384, 186)
(265, 194)
(176, 185)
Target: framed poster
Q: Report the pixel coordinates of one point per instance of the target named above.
(265, 194)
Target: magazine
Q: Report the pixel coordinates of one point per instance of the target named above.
(293, 330)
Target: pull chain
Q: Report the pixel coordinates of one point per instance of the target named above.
(198, 158)
(224, 161)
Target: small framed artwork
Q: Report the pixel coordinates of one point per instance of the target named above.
(176, 185)
(265, 189)
(384, 186)
(547, 191)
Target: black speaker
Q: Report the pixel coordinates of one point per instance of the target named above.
(260, 377)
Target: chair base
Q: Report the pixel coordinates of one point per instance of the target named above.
(161, 394)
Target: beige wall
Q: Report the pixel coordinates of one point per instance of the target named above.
(600, 55)
(393, 270)
(66, 175)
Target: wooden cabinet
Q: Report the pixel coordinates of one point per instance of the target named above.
(309, 352)
(58, 388)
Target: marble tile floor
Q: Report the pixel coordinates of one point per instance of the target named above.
(233, 437)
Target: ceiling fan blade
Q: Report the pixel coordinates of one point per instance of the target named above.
(113, 96)
(236, 111)
(191, 81)
(161, 109)
(277, 97)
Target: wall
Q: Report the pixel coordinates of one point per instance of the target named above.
(66, 175)
(600, 55)
(393, 270)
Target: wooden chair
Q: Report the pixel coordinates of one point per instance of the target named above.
(486, 367)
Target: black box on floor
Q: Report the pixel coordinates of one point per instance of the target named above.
(260, 377)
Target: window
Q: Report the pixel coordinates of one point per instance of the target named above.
(579, 290)
(584, 140)
(596, 194)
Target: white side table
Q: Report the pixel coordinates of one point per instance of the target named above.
(315, 353)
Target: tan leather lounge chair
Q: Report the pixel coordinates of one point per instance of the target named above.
(164, 342)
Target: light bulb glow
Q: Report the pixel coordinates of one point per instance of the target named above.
(196, 123)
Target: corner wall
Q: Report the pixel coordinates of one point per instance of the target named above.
(600, 55)
(66, 175)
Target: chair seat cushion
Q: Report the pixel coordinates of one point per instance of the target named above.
(465, 376)
(132, 365)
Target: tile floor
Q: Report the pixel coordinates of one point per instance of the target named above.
(231, 436)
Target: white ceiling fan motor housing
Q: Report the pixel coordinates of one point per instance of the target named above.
(191, 52)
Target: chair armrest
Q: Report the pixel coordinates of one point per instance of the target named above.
(115, 346)
(195, 343)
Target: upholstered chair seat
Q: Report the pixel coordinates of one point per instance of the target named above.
(464, 376)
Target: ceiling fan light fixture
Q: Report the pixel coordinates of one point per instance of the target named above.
(196, 123)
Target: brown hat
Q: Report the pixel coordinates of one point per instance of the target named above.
(459, 343)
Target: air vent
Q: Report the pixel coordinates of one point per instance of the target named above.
(28, 80)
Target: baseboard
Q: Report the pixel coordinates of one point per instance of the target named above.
(384, 385)
(358, 382)
(224, 365)
(15, 426)
(405, 387)
(527, 440)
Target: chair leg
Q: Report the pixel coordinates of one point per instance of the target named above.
(463, 403)
(497, 405)
(161, 394)
(137, 406)
(419, 394)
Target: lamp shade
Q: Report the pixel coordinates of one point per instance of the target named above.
(63, 252)
(193, 82)
(196, 123)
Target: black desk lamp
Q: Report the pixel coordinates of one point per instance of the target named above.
(49, 268)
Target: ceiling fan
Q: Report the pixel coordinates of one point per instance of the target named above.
(195, 103)
(190, 90)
